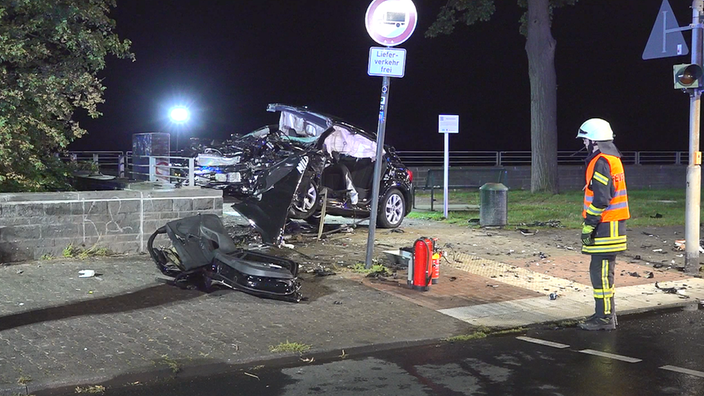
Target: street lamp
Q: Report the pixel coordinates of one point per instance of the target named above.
(179, 115)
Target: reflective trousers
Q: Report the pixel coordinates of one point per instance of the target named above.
(601, 272)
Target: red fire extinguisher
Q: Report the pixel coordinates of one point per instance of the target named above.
(422, 263)
(437, 255)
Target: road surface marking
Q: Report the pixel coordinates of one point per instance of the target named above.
(543, 342)
(611, 356)
(683, 370)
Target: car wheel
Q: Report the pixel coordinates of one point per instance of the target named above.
(314, 219)
(306, 203)
(392, 209)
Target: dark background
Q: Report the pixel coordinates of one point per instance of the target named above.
(228, 59)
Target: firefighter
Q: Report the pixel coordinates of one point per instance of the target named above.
(605, 213)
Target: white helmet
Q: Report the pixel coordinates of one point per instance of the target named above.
(596, 129)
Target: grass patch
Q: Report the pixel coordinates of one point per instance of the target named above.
(93, 389)
(24, 380)
(658, 208)
(171, 363)
(483, 332)
(286, 347)
(72, 251)
(567, 323)
(515, 330)
(467, 337)
(375, 269)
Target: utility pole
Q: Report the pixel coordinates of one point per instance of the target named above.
(694, 171)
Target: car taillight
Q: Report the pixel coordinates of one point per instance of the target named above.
(410, 175)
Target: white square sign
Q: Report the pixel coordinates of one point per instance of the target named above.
(389, 62)
(449, 123)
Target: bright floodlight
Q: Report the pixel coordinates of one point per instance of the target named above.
(179, 114)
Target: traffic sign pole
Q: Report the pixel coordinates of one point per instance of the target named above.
(446, 177)
(694, 172)
(381, 131)
(447, 124)
(389, 23)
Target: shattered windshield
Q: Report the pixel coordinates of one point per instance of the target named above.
(296, 125)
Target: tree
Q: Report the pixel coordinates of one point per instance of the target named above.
(50, 54)
(540, 48)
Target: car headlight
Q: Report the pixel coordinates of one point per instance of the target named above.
(220, 177)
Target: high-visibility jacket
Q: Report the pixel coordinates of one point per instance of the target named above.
(618, 205)
(610, 210)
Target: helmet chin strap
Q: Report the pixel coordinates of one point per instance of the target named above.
(592, 147)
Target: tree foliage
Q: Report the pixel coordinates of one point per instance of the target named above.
(469, 12)
(50, 54)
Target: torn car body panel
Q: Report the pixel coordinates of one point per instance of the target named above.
(206, 255)
(267, 211)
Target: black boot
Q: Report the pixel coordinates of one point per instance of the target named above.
(598, 323)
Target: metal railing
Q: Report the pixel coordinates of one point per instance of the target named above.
(178, 171)
(514, 158)
(167, 169)
(181, 169)
(108, 162)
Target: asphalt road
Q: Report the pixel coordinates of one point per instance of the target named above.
(651, 354)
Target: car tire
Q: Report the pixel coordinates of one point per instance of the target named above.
(308, 204)
(392, 209)
(314, 219)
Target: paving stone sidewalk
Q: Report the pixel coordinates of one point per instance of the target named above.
(58, 329)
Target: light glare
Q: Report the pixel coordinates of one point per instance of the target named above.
(179, 114)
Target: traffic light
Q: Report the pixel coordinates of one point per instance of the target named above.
(687, 75)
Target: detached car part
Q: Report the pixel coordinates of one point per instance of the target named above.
(204, 254)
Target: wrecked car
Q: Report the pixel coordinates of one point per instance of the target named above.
(203, 254)
(283, 171)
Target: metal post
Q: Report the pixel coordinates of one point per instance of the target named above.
(694, 172)
(381, 129)
(446, 176)
(192, 172)
(152, 168)
(121, 166)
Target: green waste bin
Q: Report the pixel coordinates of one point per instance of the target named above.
(493, 204)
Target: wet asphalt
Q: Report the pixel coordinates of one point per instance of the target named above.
(650, 354)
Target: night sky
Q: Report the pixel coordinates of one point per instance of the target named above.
(228, 59)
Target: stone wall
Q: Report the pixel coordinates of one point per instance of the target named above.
(33, 225)
(571, 177)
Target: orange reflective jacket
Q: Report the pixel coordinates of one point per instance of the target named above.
(618, 206)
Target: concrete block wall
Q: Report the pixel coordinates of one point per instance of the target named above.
(36, 224)
(571, 177)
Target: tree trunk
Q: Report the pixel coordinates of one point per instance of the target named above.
(540, 47)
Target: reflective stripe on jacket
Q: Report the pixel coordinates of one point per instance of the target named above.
(609, 237)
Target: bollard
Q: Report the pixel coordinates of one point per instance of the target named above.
(493, 204)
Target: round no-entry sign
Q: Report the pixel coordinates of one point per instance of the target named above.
(391, 22)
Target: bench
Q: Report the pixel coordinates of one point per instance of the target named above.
(459, 178)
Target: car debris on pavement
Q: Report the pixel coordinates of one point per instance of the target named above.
(203, 255)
